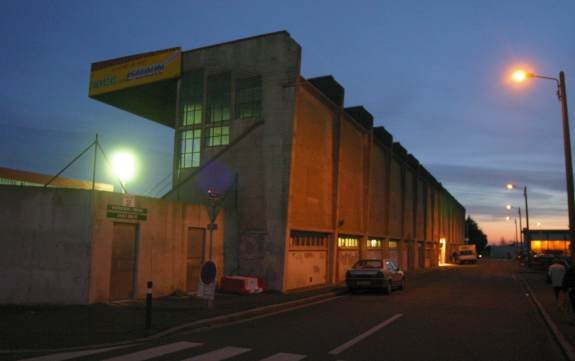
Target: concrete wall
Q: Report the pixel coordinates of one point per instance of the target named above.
(57, 245)
(378, 194)
(45, 238)
(161, 245)
(259, 155)
(352, 178)
(311, 195)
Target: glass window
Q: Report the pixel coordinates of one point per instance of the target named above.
(347, 242)
(190, 147)
(374, 243)
(218, 102)
(249, 98)
(218, 136)
(192, 97)
(308, 239)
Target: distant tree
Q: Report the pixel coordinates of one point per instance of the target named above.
(502, 242)
(475, 235)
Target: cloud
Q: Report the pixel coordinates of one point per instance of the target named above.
(485, 177)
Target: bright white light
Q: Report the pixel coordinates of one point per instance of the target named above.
(124, 166)
(508, 206)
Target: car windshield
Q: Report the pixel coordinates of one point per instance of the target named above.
(370, 263)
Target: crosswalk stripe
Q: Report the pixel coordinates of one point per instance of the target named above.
(282, 356)
(63, 356)
(220, 354)
(155, 351)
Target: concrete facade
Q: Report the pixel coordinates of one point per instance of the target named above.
(58, 245)
(308, 185)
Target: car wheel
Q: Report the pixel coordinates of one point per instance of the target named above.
(387, 288)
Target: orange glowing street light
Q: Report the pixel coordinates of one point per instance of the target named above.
(519, 76)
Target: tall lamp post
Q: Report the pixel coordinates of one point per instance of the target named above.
(509, 206)
(514, 186)
(521, 75)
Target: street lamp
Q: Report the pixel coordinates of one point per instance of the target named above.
(513, 186)
(509, 206)
(516, 233)
(124, 167)
(521, 75)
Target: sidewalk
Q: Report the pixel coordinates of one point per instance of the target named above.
(544, 294)
(53, 327)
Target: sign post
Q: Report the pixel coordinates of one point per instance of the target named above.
(207, 282)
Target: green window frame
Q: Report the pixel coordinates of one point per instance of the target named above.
(248, 98)
(218, 136)
(190, 148)
(218, 98)
(192, 97)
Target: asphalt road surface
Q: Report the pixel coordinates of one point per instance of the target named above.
(471, 312)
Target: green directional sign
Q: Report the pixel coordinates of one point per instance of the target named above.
(123, 212)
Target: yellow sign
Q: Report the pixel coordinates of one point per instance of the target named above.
(116, 74)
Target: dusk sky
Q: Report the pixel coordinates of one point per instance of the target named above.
(433, 73)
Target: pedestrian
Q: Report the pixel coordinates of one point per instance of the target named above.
(556, 273)
(454, 257)
(569, 288)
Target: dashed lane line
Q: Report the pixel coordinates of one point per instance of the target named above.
(364, 335)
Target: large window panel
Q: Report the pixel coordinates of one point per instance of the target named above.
(218, 136)
(192, 97)
(249, 98)
(219, 98)
(190, 148)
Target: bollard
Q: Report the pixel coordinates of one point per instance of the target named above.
(149, 306)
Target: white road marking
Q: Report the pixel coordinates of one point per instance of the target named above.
(218, 355)
(282, 356)
(73, 354)
(364, 335)
(155, 351)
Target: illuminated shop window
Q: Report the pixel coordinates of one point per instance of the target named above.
(218, 99)
(374, 243)
(249, 98)
(392, 244)
(550, 246)
(190, 146)
(308, 239)
(192, 97)
(348, 242)
(218, 136)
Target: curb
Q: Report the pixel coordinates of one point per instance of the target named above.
(217, 320)
(565, 346)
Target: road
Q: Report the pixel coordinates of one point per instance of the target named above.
(471, 312)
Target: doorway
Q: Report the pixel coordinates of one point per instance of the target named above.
(123, 261)
(195, 256)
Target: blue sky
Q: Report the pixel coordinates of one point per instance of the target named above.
(432, 72)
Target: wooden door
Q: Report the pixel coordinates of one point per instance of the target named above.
(123, 261)
(195, 256)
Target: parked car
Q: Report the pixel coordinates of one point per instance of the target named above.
(375, 274)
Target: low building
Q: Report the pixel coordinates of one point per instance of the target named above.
(73, 246)
(308, 185)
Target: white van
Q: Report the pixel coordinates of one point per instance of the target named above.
(466, 254)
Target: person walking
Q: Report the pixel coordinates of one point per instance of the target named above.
(556, 273)
(569, 288)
